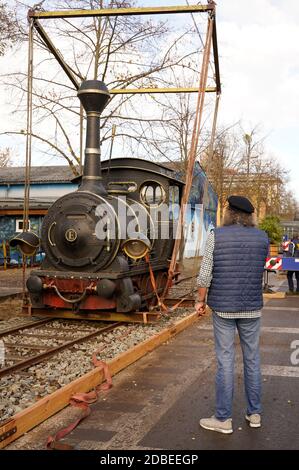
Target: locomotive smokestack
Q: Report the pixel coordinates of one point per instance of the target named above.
(94, 96)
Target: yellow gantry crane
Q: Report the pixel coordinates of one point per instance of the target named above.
(37, 17)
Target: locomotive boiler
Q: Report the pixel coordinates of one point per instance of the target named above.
(101, 241)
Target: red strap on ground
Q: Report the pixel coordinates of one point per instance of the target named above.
(81, 400)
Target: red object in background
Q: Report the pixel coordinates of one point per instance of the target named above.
(274, 263)
(285, 245)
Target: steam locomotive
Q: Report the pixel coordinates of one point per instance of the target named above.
(101, 240)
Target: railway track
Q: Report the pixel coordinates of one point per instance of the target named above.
(16, 328)
(28, 345)
(49, 360)
(45, 355)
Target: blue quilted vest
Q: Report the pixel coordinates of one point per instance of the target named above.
(239, 259)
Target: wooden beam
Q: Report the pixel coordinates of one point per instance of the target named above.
(113, 12)
(4, 254)
(51, 404)
(57, 54)
(137, 317)
(136, 91)
(20, 212)
(121, 11)
(187, 302)
(216, 58)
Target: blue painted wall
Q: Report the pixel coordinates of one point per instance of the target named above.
(41, 190)
(37, 190)
(202, 214)
(8, 230)
(198, 223)
(8, 225)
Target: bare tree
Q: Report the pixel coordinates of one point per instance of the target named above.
(9, 27)
(289, 205)
(5, 157)
(168, 137)
(122, 51)
(252, 150)
(225, 163)
(240, 165)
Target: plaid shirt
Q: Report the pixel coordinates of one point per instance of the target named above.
(205, 275)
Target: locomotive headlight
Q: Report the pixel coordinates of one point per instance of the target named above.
(137, 246)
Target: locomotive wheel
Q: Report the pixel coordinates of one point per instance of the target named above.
(147, 289)
(161, 281)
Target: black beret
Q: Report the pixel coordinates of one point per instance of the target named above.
(241, 203)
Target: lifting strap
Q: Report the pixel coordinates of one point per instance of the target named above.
(83, 400)
(161, 304)
(28, 150)
(193, 150)
(205, 197)
(28, 130)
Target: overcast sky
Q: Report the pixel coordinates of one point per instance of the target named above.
(259, 49)
(259, 63)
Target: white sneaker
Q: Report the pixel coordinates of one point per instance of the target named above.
(254, 420)
(214, 424)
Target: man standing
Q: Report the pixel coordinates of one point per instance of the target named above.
(232, 273)
(293, 252)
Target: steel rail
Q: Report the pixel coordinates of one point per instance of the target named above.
(121, 11)
(15, 329)
(47, 335)
(51, 352)
(36, 15)
(136, 91)
(183, 279)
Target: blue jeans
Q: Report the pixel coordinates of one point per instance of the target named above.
(224, 333)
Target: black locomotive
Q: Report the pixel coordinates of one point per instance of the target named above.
(101, 240)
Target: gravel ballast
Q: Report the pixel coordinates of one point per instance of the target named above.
(23, 388)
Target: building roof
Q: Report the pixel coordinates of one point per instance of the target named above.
(39, 174)
(7, 204)
(52, 174)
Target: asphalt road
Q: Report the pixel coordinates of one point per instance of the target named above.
(157, 402)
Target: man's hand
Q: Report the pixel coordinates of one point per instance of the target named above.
(200, 308)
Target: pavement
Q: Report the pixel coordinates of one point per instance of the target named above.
(157, 402)
(11, 282)
(9, 292)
